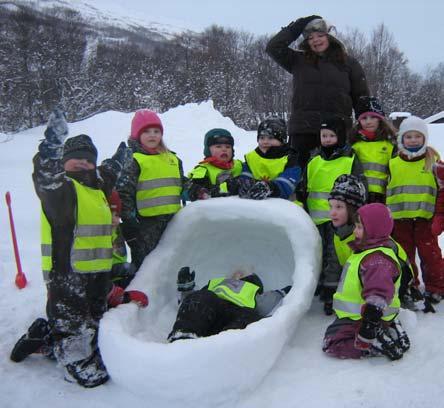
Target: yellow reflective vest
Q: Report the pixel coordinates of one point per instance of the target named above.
(236, 291)
(321, 176)
(375, 157)
(411, 191)
(92, 247)
(159, 185)
(215, 174)
(263, 168)
(348, 300)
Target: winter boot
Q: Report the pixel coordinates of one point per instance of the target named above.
(88, 373)
(397, 332)
(385, 344)
(33, 341)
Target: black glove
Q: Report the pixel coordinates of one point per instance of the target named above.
(130, 229)
(197, 191)
(185, 279)
(233, 185)
(328, 308)
(122, 156)
(370, 324)
(244, 186)
(259, 191)
(57, 128)
(298, 26)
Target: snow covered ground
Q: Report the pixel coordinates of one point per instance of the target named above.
(302, 375)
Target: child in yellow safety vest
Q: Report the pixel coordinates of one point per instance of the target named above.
(373, 140)
(414, 198)
(347, 195)
(272, 169)
(333, 158)
(366, 302)
(216, 175)
(150, 186)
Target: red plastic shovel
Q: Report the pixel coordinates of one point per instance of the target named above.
(20, 278)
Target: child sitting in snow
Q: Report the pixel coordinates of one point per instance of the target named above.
(333, 158)
(272, 169)
(216, 175)
(223, 304)
(150, 186)
(348, 194)
(366, 302)
(414, 199)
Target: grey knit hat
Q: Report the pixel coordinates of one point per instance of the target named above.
(350, 189)
(80, 147)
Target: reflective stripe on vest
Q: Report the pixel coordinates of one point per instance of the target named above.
(348, 300)
(159, 185)
(236, 291)
(92, 245)
(263, 168)
(215, 174)
(375, 157)
(321, 176)
(342, 249)
(413, 200)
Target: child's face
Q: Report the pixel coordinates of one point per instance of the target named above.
(338, 213)
(74, 165)
(151, 137)
(369, 123)
(265, 142)
(359, 230)
(328, 138)
(116, 219)
(413, 139)
(318, 42)
(222, 152)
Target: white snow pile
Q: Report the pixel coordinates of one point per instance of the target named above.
(215, 238)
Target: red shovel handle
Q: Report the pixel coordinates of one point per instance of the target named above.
(20, 278)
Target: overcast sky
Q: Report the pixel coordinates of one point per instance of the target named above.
(417, 25)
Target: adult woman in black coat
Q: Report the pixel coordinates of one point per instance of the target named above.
(325, 79)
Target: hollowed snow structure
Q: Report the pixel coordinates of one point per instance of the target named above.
(275, 239)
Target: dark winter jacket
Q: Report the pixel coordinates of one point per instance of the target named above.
(318, 88)
(57, 194)
(287, 181)
(127, 183)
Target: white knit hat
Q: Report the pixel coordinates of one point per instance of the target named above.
(413, 123)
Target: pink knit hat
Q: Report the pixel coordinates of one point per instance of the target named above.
(142, 120)
(377, 221)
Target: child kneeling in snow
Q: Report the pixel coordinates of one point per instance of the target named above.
(272, 169)
(216, 175)
(223, 304)
(366, 302)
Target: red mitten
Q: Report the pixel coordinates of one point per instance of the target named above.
(115, 296)
(137, 297)
(438, 225)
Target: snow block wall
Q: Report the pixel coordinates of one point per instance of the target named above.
(273, 238)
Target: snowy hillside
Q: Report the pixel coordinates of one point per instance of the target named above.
(115, 17)
(298, 375)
